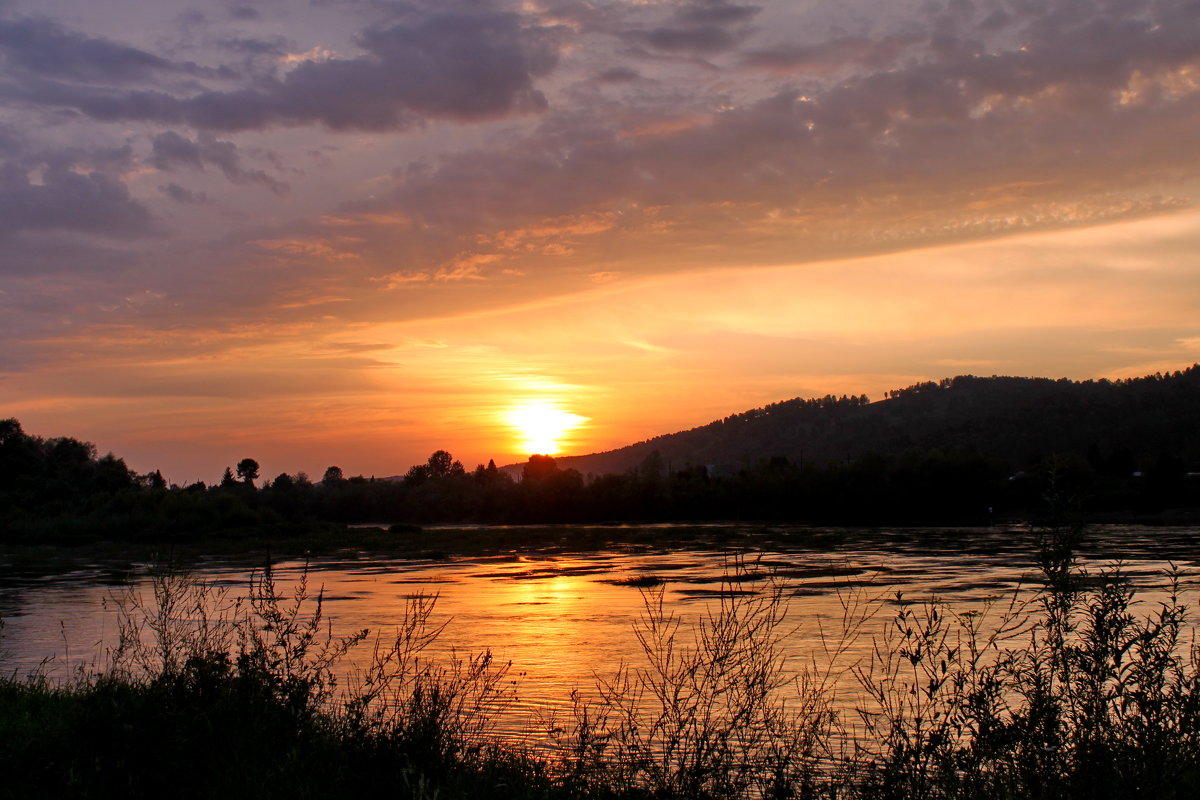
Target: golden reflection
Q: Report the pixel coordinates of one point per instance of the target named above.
(541, 425)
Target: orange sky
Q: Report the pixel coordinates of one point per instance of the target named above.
(634, 357)
(352, 234)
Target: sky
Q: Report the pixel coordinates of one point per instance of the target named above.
(352, 232)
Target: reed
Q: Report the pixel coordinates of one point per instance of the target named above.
(710, 713)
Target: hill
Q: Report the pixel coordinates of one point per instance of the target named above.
(1116, 425)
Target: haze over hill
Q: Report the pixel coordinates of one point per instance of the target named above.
(1016, 420)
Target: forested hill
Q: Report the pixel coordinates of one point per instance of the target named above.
(1017, 420)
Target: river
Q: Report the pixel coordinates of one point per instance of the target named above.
(562, 617)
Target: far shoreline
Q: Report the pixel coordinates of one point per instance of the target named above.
(450, 541)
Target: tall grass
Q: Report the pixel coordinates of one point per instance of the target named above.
(1071, 692)
(208, 696)
(712, 712)
(1068, 695)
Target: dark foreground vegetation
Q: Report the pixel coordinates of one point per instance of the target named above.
(965, 451)
(1070, 694)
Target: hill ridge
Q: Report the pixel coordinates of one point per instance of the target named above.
(1015, 418)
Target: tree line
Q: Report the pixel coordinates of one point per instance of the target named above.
(60, 489)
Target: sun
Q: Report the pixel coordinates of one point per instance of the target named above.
(541, 425)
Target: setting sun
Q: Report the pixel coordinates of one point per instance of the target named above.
(541, 424)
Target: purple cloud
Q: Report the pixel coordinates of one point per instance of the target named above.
(453, 65)
(186, 196)
(171, 150)
(43, 47)
(700, 28)
(67, 200)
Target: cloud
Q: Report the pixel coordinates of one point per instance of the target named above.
(618, 75)
(879, 137)
(697, 39)
(1075, 118)
(181, 195)
(40, 47)
(43, 47)
(717, 12)
(464, 267)
(64, 199)
(172, 150)
(275, 46)
(320, 251)
(459, 65)
(705, 27)
(858, 51)
(924, 149)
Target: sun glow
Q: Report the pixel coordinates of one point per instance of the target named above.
(541, 425)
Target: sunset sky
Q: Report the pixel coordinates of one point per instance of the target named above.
(355, 231)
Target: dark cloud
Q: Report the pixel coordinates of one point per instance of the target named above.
(65, 200)
(454, 65)
(43, 47)
(172, 150)
(244, 13)
(181, 195)
(701, 28)
(697, 39)
(64, 189)
(618, 75)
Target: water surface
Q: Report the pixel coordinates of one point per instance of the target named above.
(564, 617)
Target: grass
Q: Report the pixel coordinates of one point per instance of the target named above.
(1069, 694)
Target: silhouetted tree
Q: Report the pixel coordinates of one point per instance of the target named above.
(538, 468)
(439, 464)
(247, 470)
(155, 480)
(333, 475)
(10, 429)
